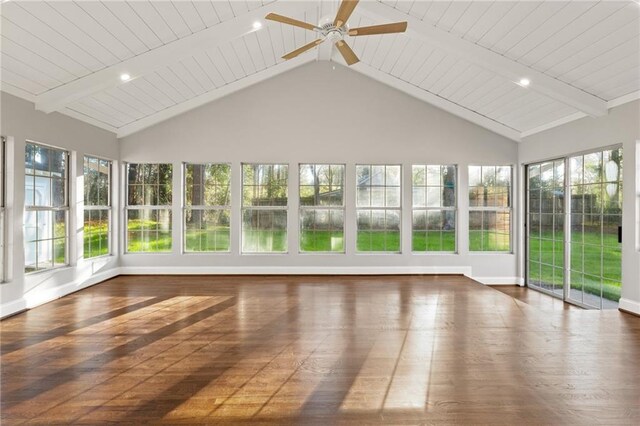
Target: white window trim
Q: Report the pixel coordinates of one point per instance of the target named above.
(493, 209)
(342, 207)
(454, 209)
(279, 208)
(108, 207)
(128, 207)
(185, 207)
(370, 208)
(66, 209)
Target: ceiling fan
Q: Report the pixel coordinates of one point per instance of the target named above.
(336, 30)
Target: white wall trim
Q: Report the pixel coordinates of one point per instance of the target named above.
(212, 95)
(293, 270)
(629, 306)
(499, 280)
(29, 301)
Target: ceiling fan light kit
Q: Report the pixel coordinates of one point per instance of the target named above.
(335, 31)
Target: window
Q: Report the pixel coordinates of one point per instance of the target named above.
(434, 208)
(46, 207)
(2, 201)
(207, 209)
(149, 196)
(322, 208)
(97, 207)
(490, 208)
(264, 208)
(378, 208)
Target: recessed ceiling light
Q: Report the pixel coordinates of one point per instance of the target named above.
(525, 82)
(257, 25)
(125, 77)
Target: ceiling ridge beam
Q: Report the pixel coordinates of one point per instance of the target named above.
(58, 98)
(489, 60)
(438, 101)
(214, 94)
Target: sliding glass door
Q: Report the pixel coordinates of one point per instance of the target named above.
(545, 225)
(585, 266)
(596, 213)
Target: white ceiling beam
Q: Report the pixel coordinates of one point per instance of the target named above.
(487, 59)
(89, 120)
(215, 94)
(16, 91)
(107, 78)
(437, 101)
(633, 96)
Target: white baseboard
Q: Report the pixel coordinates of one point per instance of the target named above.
(499, 280)
(292, 270)
(28, 302)
(629, 306)
(48, 295)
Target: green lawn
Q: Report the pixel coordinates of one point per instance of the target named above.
(375, 241)
(264, 241)
(489, 241)
(595, 261)
(322, 241)
(433, 241)
(147, 236)
(214, 239)
(96, 239)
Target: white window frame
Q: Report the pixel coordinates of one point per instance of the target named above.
(244, 208)
(305, 208)
(3, 194)
(496, 209)
(427, 209)
(108, 207)
(386, 209)
(203, 208)
(128, 207)
(65, 208)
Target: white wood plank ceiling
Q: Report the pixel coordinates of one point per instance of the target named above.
(463, 56)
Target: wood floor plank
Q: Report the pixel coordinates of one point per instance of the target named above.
(316, 350)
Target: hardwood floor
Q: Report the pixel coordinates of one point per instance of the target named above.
(315, 350)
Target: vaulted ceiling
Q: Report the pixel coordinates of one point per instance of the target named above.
(467, 57)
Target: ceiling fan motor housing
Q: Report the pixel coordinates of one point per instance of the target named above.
(330, 31)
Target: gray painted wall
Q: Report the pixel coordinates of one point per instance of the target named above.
(21, 122)
(319, 114)
(621, 126)
(312, 114)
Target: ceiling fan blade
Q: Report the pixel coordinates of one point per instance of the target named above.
(345, 10)
(291, 21)
(397, 27)
(347, 53)
(302, 49)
